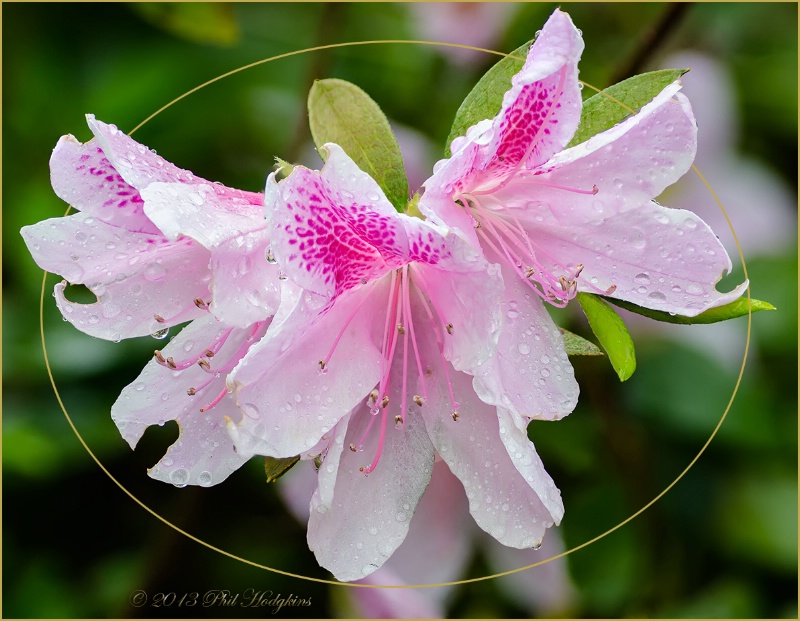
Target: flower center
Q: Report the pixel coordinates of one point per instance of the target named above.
(400, 325)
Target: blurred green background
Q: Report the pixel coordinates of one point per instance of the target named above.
(721, 544)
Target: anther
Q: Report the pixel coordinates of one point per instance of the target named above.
(191, 392)
(400, 328)
(171, 363)
(455, 414)
(373, 396)
(611, 289)
(353, 447)
(159, 318)
(204, 364)
(322, 365)
(385, 402)
(428, 372)
(578, 270)
(418, 400)
(200, 303)
(159, 357)
(449, 328)
(209, 353)
(594, 189)
(398, 420)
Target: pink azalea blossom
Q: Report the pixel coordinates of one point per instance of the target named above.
(140, 244)
(368, 363)
(559, 221)
(159, 247)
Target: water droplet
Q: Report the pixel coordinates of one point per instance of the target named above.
(641, 279)
(322, 509)
(270, 257)
(545, 373)
(658, 296)
(512, 314)
(154, 272)
(373, 530)
(196, 198)
(160, 334)
(676, 288)
(401, 516)
(694, 289)
(204, 478)
(251, 410)
(524, 349)
(179, 477)
(617, 183)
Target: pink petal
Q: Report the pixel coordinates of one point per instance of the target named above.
(510, 495)
(289, 402)
(441, 529)
(334, 229)
(204, 453)
(135, 163)
(659, 258)
(369, 516)
(83, 177)
(207, 212)
(541, 111)
(467, 298)
(245, 287)
(629, 164)
(530, 373)
(397, 603)
(135, 276)
(543, 591)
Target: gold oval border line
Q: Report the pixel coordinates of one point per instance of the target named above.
(396, 586)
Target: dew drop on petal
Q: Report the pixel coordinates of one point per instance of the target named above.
(204, 478)
(179, 477)
(641, 279)
(524, 349)
(160, 334)
(251, 410)
(154, 272)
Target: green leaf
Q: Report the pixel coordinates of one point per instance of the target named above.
(201, 22)
(600, 112)
(276, 467)
(340, 112)
(579, 346)
(486, 98)
(735, 309)
(612, 334)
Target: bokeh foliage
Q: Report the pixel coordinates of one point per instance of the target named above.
(722, 543)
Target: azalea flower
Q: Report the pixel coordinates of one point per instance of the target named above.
(559, 221)
(151, 241)
(159, 247)
(367, 365)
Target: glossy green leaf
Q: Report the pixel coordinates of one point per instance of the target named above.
(610, 330)
(486, 97)
(579, 346)
(340, 112)
(733, 310)
(276, 467)
(600, 112)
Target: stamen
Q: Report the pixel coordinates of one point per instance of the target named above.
(216, 400)
(191, 392)
(410, 321)
(373, 397)
(400, 328)
(455, 415)
(171, 363)
(352, 447)
(385, 402)
(160, 357)
(381, 441)
(324, 363)
(209, 353)
(204, 365)
(159, 318)
(200, 303)
(449, 328)
(419, 400)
